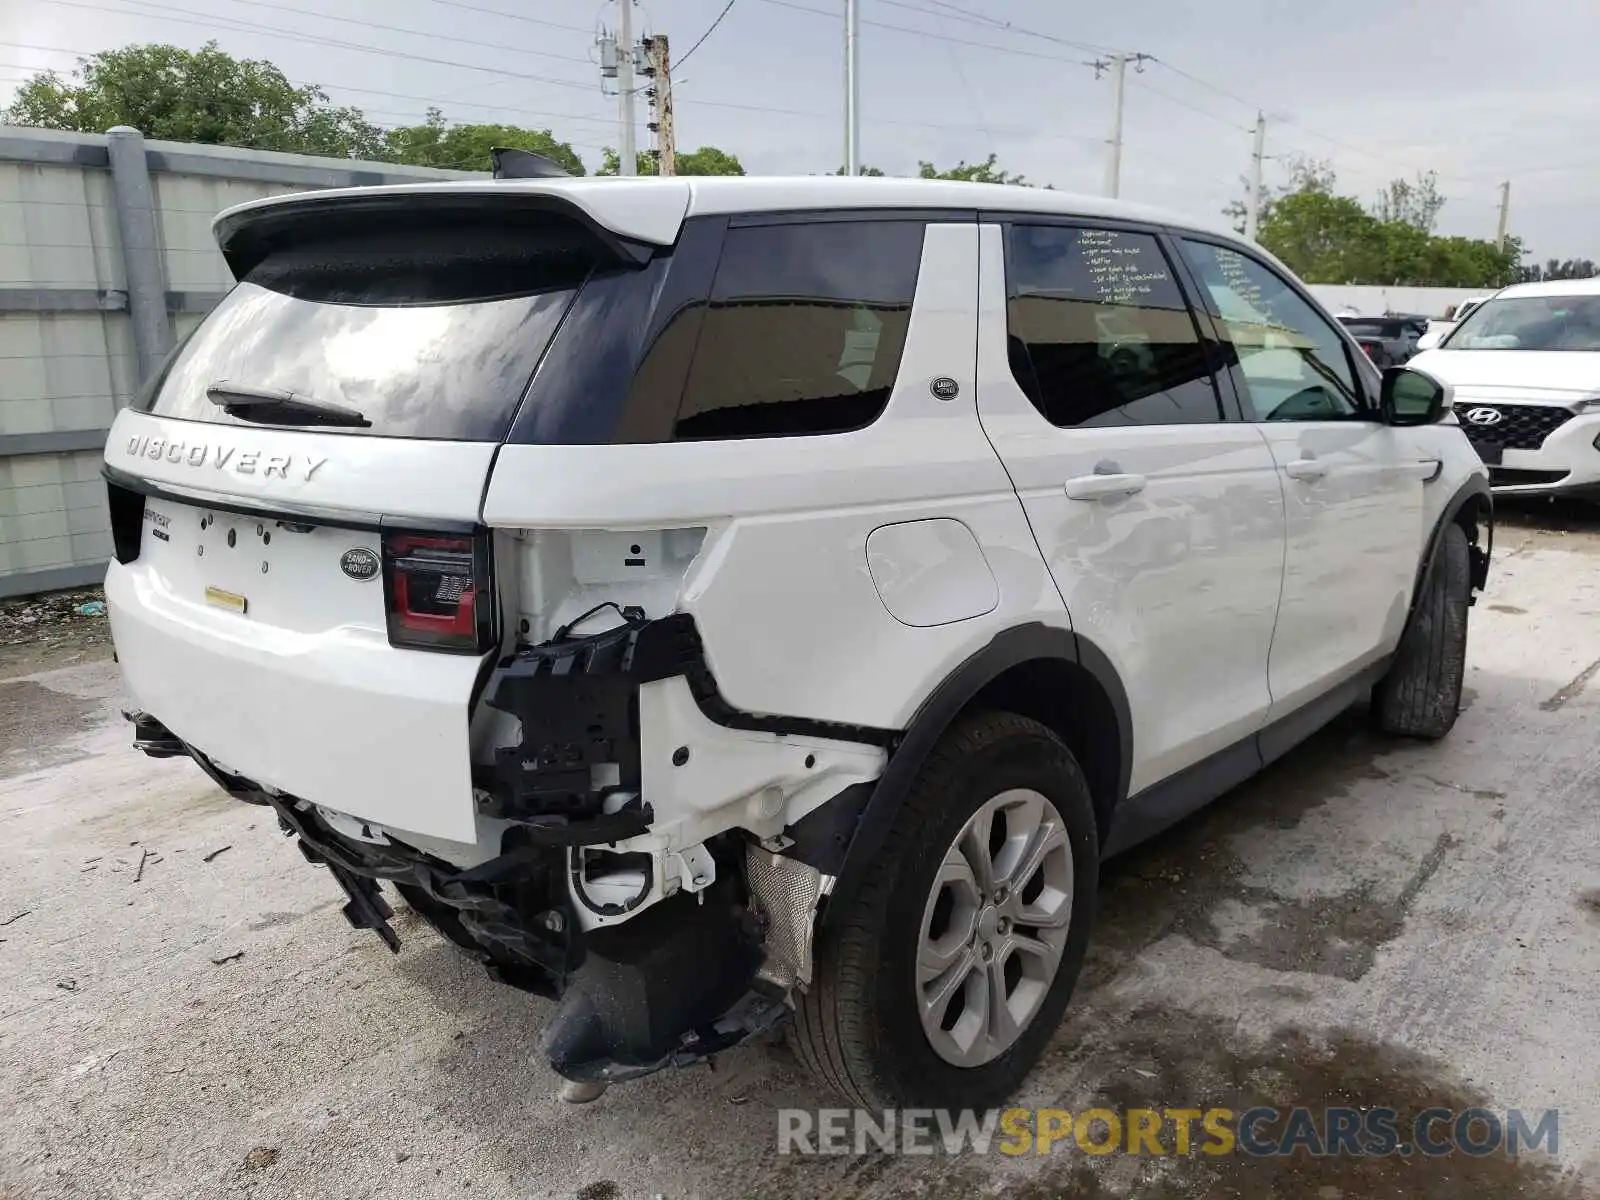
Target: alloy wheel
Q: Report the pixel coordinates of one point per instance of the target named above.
(993, 927)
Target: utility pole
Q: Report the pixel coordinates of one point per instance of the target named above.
(1117, 64)
(659, 69)
(1252, 218)
(1505, 215)
(628, 161)
(852, 89)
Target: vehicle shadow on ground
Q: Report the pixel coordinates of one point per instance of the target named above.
(1552, 514)
(1170, 885)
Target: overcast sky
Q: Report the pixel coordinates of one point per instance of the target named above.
(1477, 91)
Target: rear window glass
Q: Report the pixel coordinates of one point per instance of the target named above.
(430, 335)
(804, 330)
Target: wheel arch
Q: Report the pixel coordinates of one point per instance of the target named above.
(1050, 674)
(1472, 508)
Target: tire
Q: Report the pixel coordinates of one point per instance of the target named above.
(1421, 694)
(859, 1028)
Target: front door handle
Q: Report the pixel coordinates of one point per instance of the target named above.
(1104, 486)
(1308, 469)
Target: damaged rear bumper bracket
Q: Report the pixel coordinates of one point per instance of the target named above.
(576, 766)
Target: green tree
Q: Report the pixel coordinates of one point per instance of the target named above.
(1558, 268)
(984, 172)
(874, 172)
(1305, 175)
(202, 95)
(436, 143)
(1415, 203)
(707, 160)
(1328, 238)
(1323, 238)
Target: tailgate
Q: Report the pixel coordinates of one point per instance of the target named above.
(261, 638)
(303, 592)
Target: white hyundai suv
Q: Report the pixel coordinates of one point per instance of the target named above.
(716, 603)
(1525, 367)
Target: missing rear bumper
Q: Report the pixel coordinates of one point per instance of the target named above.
(154, 738)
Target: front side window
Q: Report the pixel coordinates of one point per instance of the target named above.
(1294, 363)
(1530, 323)
(1099, 332)
(804, 331)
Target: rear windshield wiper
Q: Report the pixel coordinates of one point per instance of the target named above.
(278, 406)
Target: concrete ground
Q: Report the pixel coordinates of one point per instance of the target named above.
(183, 1011)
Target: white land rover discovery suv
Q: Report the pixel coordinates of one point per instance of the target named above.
(713, 603)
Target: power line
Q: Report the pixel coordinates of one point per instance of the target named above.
(1194, 108)
(995, 23)
(435, 102)
(1210, 87)
(709, 31)
(728, 104)
(924, 33)
(432, 36)
(1352, 147)
(430, 101)
(966, 85)
(191, 18)
(496, 12)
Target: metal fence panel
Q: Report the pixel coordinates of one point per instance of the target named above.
(72, 323)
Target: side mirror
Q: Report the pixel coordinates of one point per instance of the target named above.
(1411, 398)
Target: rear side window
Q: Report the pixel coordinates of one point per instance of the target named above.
(804, 330)
(426, 332)
(1099, 332)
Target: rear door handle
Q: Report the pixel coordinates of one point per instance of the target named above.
(1104, 487)
(1308, 469)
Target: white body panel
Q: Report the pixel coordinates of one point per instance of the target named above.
(289, 469)
(1355, 532)
(301, 692)
(781, 591)
(1176, 584)
(931, 572)
(333, 714)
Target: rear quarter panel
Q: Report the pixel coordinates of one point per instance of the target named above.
(782, 590)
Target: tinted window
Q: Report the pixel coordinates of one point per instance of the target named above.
(804, 331)
(1099, 332)
(433, 335)
(1293, 362)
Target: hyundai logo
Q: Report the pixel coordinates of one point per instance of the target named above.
(1485, 416)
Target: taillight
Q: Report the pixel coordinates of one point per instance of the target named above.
(439, 591)
(126, 509)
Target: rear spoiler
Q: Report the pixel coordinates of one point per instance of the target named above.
(248, 234)
(510, 163)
